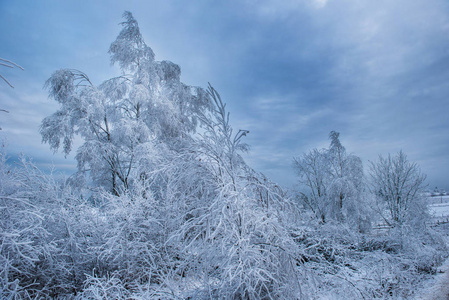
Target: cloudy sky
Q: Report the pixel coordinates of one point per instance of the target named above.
(290, 71)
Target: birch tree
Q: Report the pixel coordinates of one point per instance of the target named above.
(126, 120)
(331, 182)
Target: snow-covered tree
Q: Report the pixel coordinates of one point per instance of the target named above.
(236, 245)
(125, 121)
(346, 179)
(312, 175)
(332, 182)
(398, 185)
(181, 215)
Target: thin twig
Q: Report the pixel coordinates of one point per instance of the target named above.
(12, 63)
(6, 81)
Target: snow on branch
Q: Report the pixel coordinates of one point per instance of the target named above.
(8, 64)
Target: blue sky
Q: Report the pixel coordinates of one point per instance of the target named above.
(290, 71)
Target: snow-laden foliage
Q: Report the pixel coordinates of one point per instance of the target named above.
(42, 251)
(331, 184)
(398, 185)
(235, 243)
(8, 64)
(164, 206)
(124, 118)
(182, 205)
(129, 49)
(347, 256)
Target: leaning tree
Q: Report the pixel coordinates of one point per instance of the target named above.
(126, 121)
(331, 183)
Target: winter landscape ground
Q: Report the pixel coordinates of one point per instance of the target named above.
(439, 209)
(438, 287)
(163, 206)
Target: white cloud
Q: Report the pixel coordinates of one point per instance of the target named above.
(320, 3)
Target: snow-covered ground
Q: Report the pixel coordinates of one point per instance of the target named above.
(437, 199)
(438, 288)
(439, 209)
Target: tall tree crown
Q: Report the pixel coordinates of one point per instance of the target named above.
(122, 119)
(129, 48)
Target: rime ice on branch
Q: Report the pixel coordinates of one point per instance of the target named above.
(122, 120)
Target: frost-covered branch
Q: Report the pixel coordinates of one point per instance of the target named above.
(8, 64)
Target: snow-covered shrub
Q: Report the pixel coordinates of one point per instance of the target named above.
(234, 241)
(133, 237)
(29, 250)
(175, 214)
(340, 263)
(107, 287)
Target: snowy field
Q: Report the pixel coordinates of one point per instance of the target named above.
(439, 209)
